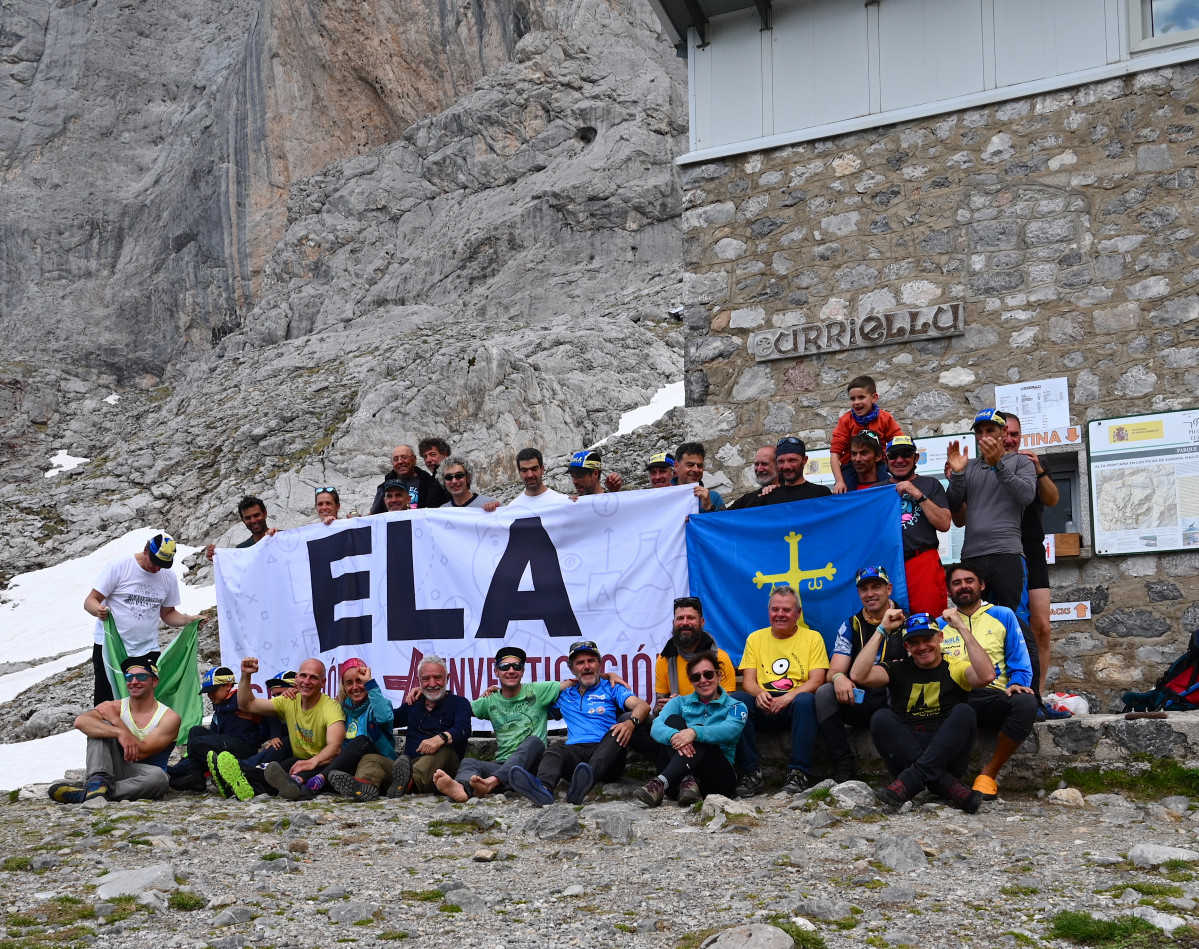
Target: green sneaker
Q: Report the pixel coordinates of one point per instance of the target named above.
(230, 771)
(222, 788)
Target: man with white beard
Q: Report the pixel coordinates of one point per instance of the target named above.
(764, 474)
(438, 724)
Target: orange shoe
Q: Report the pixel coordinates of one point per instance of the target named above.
(987, 787)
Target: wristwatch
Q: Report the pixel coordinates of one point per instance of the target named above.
(635, 720)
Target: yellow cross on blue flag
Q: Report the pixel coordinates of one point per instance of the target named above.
(735, 558)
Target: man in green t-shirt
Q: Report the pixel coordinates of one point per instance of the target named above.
(519, 712)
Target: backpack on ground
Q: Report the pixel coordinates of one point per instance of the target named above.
(1178, 688)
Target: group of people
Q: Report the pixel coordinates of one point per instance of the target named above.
(918, 675)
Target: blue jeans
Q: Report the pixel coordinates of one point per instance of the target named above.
(799, 717)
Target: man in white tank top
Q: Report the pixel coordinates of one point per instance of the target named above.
(128, 742)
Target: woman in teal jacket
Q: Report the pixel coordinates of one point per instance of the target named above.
(701, 730)
(363, 767)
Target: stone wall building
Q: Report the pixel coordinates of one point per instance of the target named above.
(1065, 223)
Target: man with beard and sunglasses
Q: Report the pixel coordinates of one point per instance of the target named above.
(1009, 703)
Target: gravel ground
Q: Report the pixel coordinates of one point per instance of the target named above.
(501, 873)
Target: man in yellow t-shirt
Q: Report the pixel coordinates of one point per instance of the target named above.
(316, 726)
(687, 639)
(781, 668)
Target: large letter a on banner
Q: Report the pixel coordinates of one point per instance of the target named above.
(529, 546)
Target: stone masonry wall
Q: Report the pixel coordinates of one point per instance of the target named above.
(1068, 225)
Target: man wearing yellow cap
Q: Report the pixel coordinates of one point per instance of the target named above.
(137, 592)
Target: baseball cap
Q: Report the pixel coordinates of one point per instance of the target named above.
(790, 446)
(162, 549)
(587, 460)
(919, 624)
(511, 651)
(149, 662)
(871, 573)
(583, 645)
(282, 680)
(901, 443)
(393, 483)
(213, 679)
(662, 459)
(994, 416)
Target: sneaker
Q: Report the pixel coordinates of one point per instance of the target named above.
(289, 789)
(895, 794)
(354, 788)
(528, 786)
(689, 792)
(228, 773)
(964, 798)
(651, 795)
(64, 792)
(98, 785)
(581, 782)
(750, 784)
(987, 787)
(796, 782)
(191, 781)
(222, 786)
(401, 776)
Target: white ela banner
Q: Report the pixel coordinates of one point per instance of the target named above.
(461, 583)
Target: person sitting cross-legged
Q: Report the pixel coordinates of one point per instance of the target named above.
(701, 730)
(128, 742)
(365, 764)
(926, 736)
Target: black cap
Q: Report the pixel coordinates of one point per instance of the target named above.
(511, 651)
(790, 446)
(149, 662)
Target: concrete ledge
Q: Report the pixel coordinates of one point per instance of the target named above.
(1089, 742)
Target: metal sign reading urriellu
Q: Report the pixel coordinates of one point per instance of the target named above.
(859, 332)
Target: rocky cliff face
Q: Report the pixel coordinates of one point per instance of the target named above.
(503, 274)
(147, 150)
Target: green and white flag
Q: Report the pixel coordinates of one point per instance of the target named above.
(178, 678)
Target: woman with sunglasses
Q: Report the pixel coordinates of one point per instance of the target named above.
(701, 730)
(364, 765)
(455, 476)
(328, 504)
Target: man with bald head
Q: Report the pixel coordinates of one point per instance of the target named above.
(423, 489)
(316, 726)
(764, 474)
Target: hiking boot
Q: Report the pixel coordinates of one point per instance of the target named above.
(227, 773)
(354, 788)
(796, 782)
(191, 781)
(987, 787)
(689, 792)
(528, 786)
(651, 795)
(750, 784)
(894, 795)
(64, 792)
(288, 787)
(401, 776)
(964, 798)
(98, 785)
(581, 782)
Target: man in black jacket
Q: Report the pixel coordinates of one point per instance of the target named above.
(423, 489)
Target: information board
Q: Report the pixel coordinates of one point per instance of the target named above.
(1145, 482)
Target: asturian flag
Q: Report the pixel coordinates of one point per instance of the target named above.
(735, 559)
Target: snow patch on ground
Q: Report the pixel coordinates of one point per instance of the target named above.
(43, 613)
(113, 399)
(42, 760)
(15, 683)
(668, 397)
(62, 461)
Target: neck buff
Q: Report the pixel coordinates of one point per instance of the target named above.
(866, 419)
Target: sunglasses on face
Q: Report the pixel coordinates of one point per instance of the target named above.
(137, 677)
(509, 666)
(901, 454)
(455, 476)
(687, 602)
(703, 674)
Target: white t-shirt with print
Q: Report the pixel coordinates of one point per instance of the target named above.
(134, 597)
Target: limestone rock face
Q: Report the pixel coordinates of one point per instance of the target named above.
(147, 149)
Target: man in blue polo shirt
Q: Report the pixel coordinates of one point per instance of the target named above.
(595, 739)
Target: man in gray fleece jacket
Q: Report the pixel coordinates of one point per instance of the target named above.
(997, 486)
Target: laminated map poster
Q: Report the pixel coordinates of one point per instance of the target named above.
(1145, 482)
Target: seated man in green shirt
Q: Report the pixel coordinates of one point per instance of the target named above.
(519, 712)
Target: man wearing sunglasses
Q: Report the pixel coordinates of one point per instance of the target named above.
(597, 732)
(925, 513)
(456, 476)
(926, 736)
(128, 742)
(519, 712)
